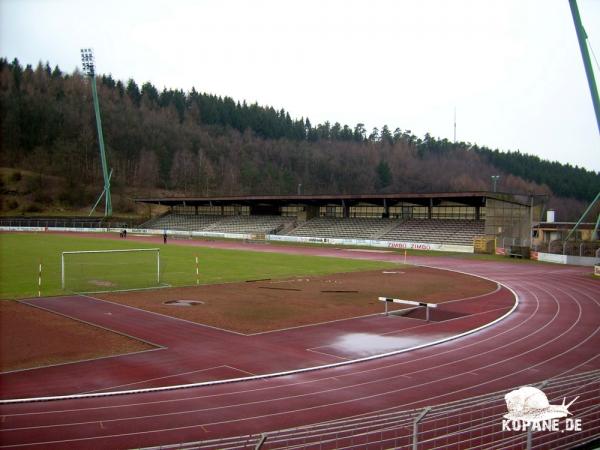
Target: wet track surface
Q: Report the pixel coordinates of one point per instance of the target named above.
(552, 332)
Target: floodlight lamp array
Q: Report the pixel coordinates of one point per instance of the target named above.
(87, 60)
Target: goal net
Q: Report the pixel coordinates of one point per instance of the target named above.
(110, 270)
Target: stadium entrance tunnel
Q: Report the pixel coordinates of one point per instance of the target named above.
(435, 315)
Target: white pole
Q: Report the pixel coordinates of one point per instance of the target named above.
(62, 270)
(197, 272)
(158, 266)
(40, 279)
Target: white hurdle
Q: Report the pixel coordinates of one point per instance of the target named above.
(408, 302)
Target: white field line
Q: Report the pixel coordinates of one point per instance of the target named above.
(283, 373)
(158, 346)
(316, 380)
(164, 315)
(161, 378)
(326, 354)
(407, 330)
(498, 287)
(239, 370)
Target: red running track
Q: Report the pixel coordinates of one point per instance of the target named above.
(553, 332)
(190, 353)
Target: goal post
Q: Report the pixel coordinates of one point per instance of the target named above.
(109, 270)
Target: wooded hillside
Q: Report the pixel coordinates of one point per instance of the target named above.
(201, 144)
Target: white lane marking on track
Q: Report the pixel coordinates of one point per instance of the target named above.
(163, 315)
(498, 288)
(289, 397)
(239, 370)
(211, 424)
(159, 378)
(563, 352)
(410, 329)
(157, 346)
(288, 385)
(315, 324)
(578, 345)
(280, 374)
(326, 354)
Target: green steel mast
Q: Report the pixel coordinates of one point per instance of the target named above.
(585, 54)
(87, 59)
(589, 71)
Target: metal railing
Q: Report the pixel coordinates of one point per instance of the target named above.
(557, 247)
(475, 422)
(67, 222)
(572, 248)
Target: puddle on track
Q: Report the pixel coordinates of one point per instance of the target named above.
(356, 345)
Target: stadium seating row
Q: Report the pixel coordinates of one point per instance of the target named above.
(220, 224)
(181, 222)
(446, 231)
(351, 228)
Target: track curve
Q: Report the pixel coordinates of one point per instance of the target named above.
(553, 332)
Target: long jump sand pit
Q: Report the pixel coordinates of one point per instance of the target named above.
(266, 305)
(31, 337)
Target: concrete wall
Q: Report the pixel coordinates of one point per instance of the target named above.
(507, 220)
(565, 259)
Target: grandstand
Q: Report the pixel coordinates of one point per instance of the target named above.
(352, 228)
(182, 222)
(447, 231)
(220, 224)
(453, 218)
(250, 224)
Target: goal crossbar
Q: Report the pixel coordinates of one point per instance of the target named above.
(78, 252)
(114, 251)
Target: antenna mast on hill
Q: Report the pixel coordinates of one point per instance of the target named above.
(87, 60)
(455, 124)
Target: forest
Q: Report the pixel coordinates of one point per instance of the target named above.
(199, 144)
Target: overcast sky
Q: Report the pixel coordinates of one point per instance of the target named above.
(512, 69)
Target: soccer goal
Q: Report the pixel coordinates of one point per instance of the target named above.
(110, 270)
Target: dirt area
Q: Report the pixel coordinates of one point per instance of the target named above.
(31, 337)
(264, 305)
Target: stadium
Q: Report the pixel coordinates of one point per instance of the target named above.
(299, 322)
(258, 281)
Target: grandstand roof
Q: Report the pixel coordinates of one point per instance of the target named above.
(476, 198)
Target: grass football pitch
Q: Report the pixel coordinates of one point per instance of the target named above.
(21, 253)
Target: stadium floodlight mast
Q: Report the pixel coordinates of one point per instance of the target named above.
(87, 60)
(495, 179)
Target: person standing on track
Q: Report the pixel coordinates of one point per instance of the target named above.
(165, 237)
